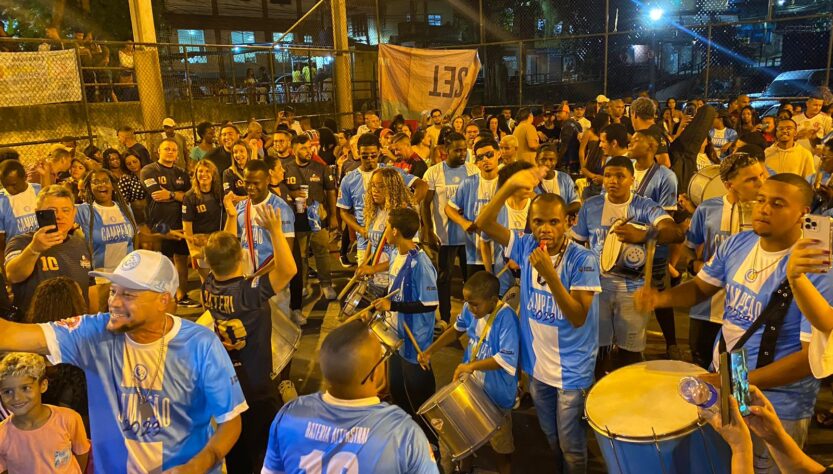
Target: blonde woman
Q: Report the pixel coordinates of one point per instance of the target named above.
(233, 177)
(202, 211)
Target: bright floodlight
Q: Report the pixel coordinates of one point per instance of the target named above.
(655, 14)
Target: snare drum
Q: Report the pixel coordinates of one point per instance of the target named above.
(620, 258)
(362, 294)
(385, 332)
(463, 416)
(286, 337)
(706, 184)
(643, 425)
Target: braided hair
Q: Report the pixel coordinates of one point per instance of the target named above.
(88, 198)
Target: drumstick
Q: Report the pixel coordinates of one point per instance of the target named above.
(414, 342)
(649, 261)
(369, 308)
(367, 259)
(506, 267)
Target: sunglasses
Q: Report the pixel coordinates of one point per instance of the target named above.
(488, 154)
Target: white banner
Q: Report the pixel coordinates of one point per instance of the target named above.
(39, 78)
(413, 80)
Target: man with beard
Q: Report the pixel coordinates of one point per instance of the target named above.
(281, 148)
(155, 382)
(221, 156)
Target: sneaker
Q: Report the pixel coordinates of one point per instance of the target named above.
(311, 273)
(298, 318)
(329, 292)
(439, 327)
(287, 390)
(674, 353)
(345, 261)
(187, 302)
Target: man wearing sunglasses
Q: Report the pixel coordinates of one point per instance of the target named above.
(347, 425)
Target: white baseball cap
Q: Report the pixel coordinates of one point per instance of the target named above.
(144, 270)
(601, 99)
(168, 122)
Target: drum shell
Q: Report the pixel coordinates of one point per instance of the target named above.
(285, 345)
(463, 416)
(360, 297)
(706, 184)
(386, 333)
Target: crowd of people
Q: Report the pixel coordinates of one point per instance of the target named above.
(98, 246)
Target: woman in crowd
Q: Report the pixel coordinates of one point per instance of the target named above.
(458, 125)
(748, 121)
(676, 114)
(591, 155)
(668, 123)
(277, 185)
(205, 132)
(493, 125)
(707, 155)
(202, 211)
(421, 144)
(233, 176)
(94, 157)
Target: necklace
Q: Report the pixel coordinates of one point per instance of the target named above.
(752, 274)
(145, 407)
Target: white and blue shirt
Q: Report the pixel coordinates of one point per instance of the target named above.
(594, 221)
(714, 221)
(552, 349)
(261, 246)
(502, 344)
(660, 188)
(729, 268)
(445, 181)
(319, 433)
(352, 193)
(196, 384)
(474, 193)
(112, 234)
(17, 213)
(561, 184)
(415, 277)
(515, 220)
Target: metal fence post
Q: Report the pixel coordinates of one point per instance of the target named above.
(378, 25)
(274, 85)
(521, 72)
(190, 90)
(829, 53)
(607, 39)
(84, 94)
(233, 76)
(708, 62)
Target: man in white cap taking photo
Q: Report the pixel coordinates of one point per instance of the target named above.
(169, 132)
(155, 381)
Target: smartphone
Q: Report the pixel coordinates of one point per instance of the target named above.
(47, 218)
(740, 380)
(690, 110)
(819, 228)
(724, 367)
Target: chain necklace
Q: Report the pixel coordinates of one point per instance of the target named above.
(752, 274)
(145, 408)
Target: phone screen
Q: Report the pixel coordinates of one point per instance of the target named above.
(740, 380)
(46, 218)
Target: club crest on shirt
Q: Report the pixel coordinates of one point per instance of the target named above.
(131, 262)
(61, 458)
(140, 372)
(70, 324)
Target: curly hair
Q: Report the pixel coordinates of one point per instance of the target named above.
(22, 364)
(397, 194)
(55, 299)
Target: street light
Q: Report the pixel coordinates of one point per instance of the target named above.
(656, 14)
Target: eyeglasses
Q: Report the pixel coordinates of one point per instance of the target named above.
(368, 156)
(488, 154)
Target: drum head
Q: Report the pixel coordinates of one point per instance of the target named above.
(610, 250)
(641, 401)
(706, 184)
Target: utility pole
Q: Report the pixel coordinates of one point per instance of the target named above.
(342, 88)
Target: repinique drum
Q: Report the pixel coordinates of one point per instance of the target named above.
(385, 332)
(286, 337)
(362, 294)
(622, 259)
(706, 184)
(463, 416)
(643, 425)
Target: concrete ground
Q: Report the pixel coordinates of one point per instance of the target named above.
(532, 453)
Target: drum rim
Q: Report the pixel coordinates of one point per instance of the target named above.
(699, 423)
(701, 195)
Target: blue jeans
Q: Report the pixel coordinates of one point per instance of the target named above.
(560, 414)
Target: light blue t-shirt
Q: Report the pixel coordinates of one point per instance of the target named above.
(352, 193)
(661, 187)
(594, 221)
(514, 220)
(746, 299)
(445, 181)
(552, 349)
(112, 235)
(502, 343)
(471, 196)
(17, 213)
(318, 433)
(261, 241)
(415, 277)
(561, 184)
(195, 383)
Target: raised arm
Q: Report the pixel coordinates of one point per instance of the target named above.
(16, 337)
(487, 220)
(284, 268)
(804, 259)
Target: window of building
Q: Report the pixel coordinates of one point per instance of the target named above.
(308, 39)
(435, 20)
(288, 39)
(196, 54)
(243, 37)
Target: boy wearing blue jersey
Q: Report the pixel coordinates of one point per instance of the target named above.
(759, 315)
(714, 221)
(17, 202)
(473, 194)
(558, 314)
(239, 306)
(491, 354)
(347, 428)
(413, 275)
(619, 321)
(555, 181)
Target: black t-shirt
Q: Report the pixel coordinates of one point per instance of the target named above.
(234, 181)
(244, 302)
(205, 212)
(659, 134)
(156, 177)
(220, 157)
(319, 179)
(70, 259)
(550, 133)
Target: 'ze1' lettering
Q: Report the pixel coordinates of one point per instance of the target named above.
(453, 78)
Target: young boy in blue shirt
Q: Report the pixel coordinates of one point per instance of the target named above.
(492, 352)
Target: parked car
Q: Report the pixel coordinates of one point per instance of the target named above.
(789, 84)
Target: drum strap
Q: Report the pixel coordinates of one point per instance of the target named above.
(643, 186)
(486, 329)
(772, 318)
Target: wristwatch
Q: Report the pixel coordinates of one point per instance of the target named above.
(173, 195)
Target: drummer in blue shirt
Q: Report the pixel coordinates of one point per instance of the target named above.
(491, 355)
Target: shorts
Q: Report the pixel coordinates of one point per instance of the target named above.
(172, 247)
(620, 323)
(502, 441)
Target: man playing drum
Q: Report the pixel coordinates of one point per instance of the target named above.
(558, 317)
(759, 313)
(491, 354)
(619, 321)
(714, 221)
(347, 428)
(241, 313)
